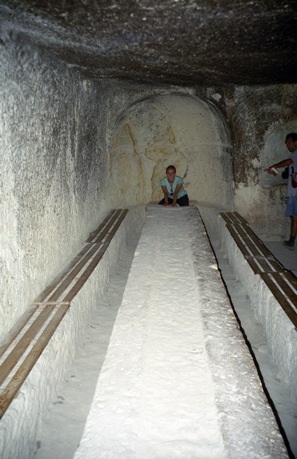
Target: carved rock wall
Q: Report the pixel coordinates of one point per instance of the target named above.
(50, 172)
(259, 119)
(73, 147)
(177, 129)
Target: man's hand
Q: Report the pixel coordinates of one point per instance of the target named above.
(271, 170)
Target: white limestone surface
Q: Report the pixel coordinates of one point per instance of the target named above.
(280, 332)
(18, 427)
(178, 380)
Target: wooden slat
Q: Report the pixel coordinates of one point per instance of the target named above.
(84, 277)
(291, 278)
(98, 235)
(117, 224)
(105, 231)
(256, 264)
(280, 282)
(252, 261)
(61, 283)
(233, 217)
(24, 342)
(255, 250)
(263, 249)
(238, 240)
(256, 246)
(280, 298)
(268, 265)
(61, 276)
(264, 257)
(228, 217)
(101, 226)
(286, 288)
(240, 218)
(16, 330)
(77, 272)
(21, 374)
(258, 243)
(93, 248)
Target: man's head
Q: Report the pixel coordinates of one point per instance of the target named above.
(291, 141)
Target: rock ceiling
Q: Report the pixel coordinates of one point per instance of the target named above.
(180, 42)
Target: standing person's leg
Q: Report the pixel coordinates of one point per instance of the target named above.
(294, 225)
(291, 212)
(183, 201)
(290, 244)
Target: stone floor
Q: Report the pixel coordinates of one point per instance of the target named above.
(67, 416)
(178, 379)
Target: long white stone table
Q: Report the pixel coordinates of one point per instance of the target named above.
(178, 380)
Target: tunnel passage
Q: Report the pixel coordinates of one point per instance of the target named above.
(170, 129)
(177, 380)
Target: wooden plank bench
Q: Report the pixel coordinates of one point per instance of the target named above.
(282, 283)
(29, 337)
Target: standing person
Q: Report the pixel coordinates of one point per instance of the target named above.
(291, 210)
(174, 192)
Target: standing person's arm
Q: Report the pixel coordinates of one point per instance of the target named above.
(175, 194)
(284, 163)
(165, 194)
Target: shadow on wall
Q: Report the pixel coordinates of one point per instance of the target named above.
(168, 129)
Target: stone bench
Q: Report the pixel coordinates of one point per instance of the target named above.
(282, 283)
(26, 341)
(178, 380)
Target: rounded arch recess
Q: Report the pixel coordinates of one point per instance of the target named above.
(177, 129)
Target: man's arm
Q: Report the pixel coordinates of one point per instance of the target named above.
(284, 163)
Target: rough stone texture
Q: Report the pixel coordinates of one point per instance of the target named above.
(58, 163)
(87, 122)
(72, 147)
(182, 42)
(50, 172)
(281, 339)
(174, 129)
(260, 118)
(18, 427)
(178, 382)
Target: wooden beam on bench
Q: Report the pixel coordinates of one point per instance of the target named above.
(281, 283)
(233, 217)
(102, 249)
(115, 217)
(18, 378)
(86, 274)
(23, 345)
(42, 297)
(257, 255)
(17, 329)
(261, 255)
(94, 248)
(283, 292)
(24, 342)
(101, 228)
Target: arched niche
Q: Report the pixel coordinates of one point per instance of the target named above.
(169, 129)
